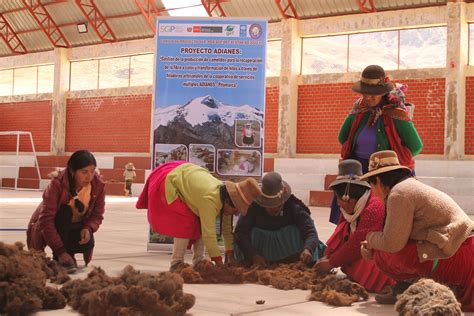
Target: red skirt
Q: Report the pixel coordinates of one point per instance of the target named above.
(457, 270)
(364, 272)
(175, 219)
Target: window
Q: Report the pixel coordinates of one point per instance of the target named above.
(45, 79)
(27, 80)
(423, 48)
(84, 75)
(471, 44)
(112, 72)
(6, 82)
(273, 66)
(378, 48)
(324, 55)
(141, 70)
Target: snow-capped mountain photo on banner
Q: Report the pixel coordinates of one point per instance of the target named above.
(210, 83)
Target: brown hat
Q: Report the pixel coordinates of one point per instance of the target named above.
(243, 193)
(373, 82)
(350, 171)
(383, 161)
(275, 191)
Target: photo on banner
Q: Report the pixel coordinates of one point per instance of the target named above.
(209, 96)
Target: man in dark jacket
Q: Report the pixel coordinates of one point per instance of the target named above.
(277, 227)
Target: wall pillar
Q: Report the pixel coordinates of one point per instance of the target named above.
(456, 61)
(288, 96)
(61, 87)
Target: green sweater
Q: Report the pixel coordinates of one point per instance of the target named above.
(201, 192)
(405, 129)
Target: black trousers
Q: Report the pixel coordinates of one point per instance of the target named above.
(70, 232)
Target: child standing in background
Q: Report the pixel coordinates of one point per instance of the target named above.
(129, 175)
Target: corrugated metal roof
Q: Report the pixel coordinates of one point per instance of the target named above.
(125, 19)
(252, 8)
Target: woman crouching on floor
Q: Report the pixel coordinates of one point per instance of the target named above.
(362, 213)
(184, 201)
(70, 213)
(277, 227)
(426, 234)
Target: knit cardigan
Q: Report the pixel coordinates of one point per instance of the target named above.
(422, 213)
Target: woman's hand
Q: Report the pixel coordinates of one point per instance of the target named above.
(306, 256)
(365, 251)
(65, 259)
(323, 265)
(85, 236)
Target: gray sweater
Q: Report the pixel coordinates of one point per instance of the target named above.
(422, 213)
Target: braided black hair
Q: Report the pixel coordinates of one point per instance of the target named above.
(78, 160)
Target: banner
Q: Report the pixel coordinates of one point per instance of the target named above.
(209, 95)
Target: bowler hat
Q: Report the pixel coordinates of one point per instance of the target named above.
(275, 191)
(373, 82)
(243, 193)
(383, 161)
(350, 171)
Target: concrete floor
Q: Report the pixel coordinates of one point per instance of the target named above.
(122, 240)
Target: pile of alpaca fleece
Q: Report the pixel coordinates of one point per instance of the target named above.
(23, 276)
(132, 293)
(328, 288)
(427, 297)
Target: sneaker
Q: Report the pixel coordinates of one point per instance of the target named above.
(389, 295)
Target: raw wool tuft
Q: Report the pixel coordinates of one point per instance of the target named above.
(23, 276)
(327, 288)
(427, 297)
(132, 293)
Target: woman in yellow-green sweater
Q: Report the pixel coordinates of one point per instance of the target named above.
(184, 200)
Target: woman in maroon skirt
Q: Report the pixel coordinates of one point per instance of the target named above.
(426, 234)
(362, 213)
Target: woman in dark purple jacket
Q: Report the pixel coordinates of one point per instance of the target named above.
(71, 211)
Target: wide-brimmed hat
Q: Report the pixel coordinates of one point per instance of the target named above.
(275, 191)
(243, 193)
(383, 161)
(373, 82)
(350, 171)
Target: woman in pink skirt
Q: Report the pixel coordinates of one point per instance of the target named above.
(184, 201)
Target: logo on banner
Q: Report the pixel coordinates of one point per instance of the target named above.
(255, 31)
(189, 29)
(243, 30)
(196, 29)
(229, 30)
(167, 28)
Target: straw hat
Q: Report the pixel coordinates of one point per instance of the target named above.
(350, 171)
(373, 82)
(383, 161)
(243, 193)
(275, 191)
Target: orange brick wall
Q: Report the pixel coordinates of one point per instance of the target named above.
(34, 117)
(109, 124)
(271, 119)
(428, 96)
(469, 136)
(321, 111)
(323, 107)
